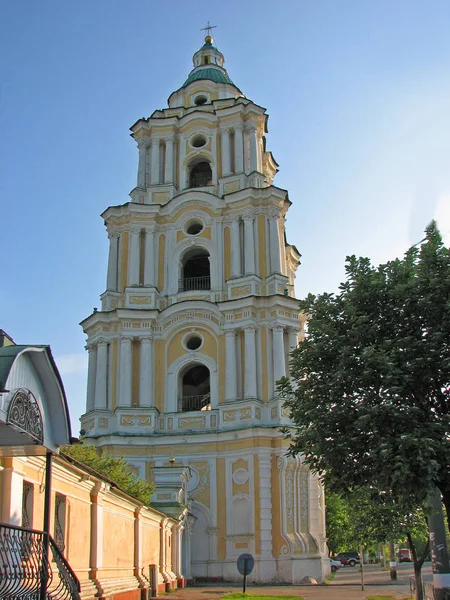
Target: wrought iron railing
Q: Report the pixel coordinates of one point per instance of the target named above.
(24, 565)
(194, 283)
(200, 181)
(200, 402)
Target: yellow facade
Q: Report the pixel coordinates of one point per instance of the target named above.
(201, 318)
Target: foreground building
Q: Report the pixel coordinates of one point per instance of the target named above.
(86, 517)
(196, 326)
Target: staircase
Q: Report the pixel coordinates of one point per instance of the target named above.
(28, 571)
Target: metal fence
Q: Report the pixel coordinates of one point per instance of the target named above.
(25, 568)
(194, 283)
(189, 403)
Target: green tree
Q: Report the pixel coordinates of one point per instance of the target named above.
(114, 468)
(370, 399)
(370, 385)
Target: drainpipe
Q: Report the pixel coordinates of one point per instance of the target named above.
(46, 525)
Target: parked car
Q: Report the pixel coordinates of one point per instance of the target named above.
(348, 558)
(335, 565)
(404, 555)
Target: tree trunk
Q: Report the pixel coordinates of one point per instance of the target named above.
(446, 502)
(438, 542)
(418, 562)
(392, 562)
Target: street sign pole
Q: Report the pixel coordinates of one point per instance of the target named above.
(245, 573)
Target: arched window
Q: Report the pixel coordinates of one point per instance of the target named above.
(200, 175)
(195, 390)
(195, 271)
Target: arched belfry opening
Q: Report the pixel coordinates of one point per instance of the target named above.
(195, 270)
(200, 174)
(195, 389)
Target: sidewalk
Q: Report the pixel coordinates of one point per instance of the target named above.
(309, 592)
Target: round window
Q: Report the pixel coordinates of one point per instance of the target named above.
(200, 100)
(193, 342)
(194, 227)
(198, 141)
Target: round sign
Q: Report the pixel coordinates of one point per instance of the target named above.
(245, 564)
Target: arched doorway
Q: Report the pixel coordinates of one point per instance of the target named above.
(195, 271)
(195, 389)
(200, 174)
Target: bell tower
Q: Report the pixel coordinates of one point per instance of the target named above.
(197, 322)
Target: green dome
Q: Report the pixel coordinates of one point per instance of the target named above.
(211, 73)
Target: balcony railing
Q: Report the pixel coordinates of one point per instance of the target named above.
(190, 403)
(188, 284)
(24, 566)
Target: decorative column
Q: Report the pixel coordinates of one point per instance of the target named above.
(293, 339)
(267, 563)
(249, 240)
(133, 257)
(146, 372)
(275, 265)
(92, 370)
(125, 371)
(230, 366)
(279, 367)
(101, 374)
(251, 128)
(226, 155)
(142, 146)
(168, 169)
(235, 249)
(238, 149)
(111, 280)
(250, 362)
(149, 258)
(155, 160)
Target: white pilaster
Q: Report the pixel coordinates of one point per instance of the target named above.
(101, 374)
(226, 155)
(235, 249)
(168, 168)
(146, 372)
(125, 371)
(142, 145)
(265, 502)
(133, 257)
(293, 339)
(238, 149)
(111, 280)
(249, 238)
(230, 366)
(279, 367)
(149, 258)
(92, 370)
(274, 246)
(251, 128)
(250, 362)
(155, 160)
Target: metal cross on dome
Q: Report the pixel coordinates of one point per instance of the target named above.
(208, 28)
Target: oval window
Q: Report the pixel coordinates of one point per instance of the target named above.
(200, 100)
(198, 141)
(194, 227)
(194, 342)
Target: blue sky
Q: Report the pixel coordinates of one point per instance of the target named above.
(358, 94)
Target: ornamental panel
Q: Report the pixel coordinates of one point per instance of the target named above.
(25, 414)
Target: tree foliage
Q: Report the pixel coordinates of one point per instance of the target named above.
(370, 387)
(114, 468)
(365, 517)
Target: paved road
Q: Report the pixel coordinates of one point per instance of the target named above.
(345, 586)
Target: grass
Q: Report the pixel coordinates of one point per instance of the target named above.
(258, 597)
(385, 598)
